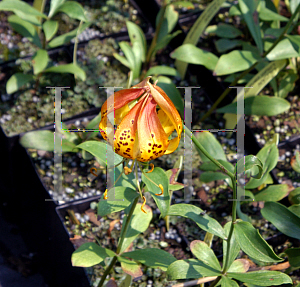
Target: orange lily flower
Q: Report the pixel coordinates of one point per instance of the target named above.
(142, 131)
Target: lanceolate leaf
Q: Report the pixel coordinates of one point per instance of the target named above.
(193, 55)
(262, 278)
(17, 81)
(40, 61)
(68, 68)
(50, 28)
(273, 192)
(100, 150)
(205, 254)
(130, 267)
(139, 223)
(250, 163)
(234, 246)
(282, 218)
(90, 254)
(192, 212)
(260, 106)
(152, 257)
(294, 256)
(250, 14)
(73, 9)
(136, 35)
(227, 282)
(253, 244)
(190, 269)
(124, 197)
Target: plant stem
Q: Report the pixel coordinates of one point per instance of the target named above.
(76, 44)
(242, 75)
(114, 260)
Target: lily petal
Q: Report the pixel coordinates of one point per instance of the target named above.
(121, 100)
(165, 122)
(153, 140)
(168, 107)
(126, 142)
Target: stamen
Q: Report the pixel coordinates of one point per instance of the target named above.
(105, 194)
(142, 208)
(155, 82)
(127, 170)
(93, 169)
(162, 190)
(152, 168)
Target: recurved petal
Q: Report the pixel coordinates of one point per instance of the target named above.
(153, 141)
(165, 122)
(168, 107)
(121, 98)
(126, 141)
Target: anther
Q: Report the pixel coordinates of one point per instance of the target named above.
(127, 170)
(152, 168)
(162, 190)
(105, 194)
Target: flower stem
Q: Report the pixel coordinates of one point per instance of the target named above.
(242, 75)
(114, 260)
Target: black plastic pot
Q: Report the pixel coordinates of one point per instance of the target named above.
(27, 204)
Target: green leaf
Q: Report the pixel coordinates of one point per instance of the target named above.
(224, 30)
(226, 282)
(194, 55)
(25, 28)
(169, 22)
(282, 218)
(294, 196)
(295, 39)
(136, 35)
(90, 254)
(40, 61)
(15, 5)
(152, 257)
(158, 176)
(262, 278)
(164, 42)
(266, 14)
(268, 155)
(234, 246)
(192, 212)
(210, 166)
(205, 254)
(130, 56)
(130, 267)
(260, 106)
(283, 50)
(190, 269)
(250, 15)
(253, 244)
(94, 123)
(211, 145)
(67, 37)
(17, 81)
(239, 265)
(50, 28)
(54, 5)
(106, 207)
(68, 68)
(197, 29)
(29, 18)
(122, 59)
(235, 61)
(162, 70)
(258, 82)
(209, 176)
(250, 163)
(100, 150)
(126, 282)
(139, 223)
(170, 89)
(294, 256)
(273, 192)
(44, 140)
(223, 45)
(73, 9)
(287, 83)
(295, 208)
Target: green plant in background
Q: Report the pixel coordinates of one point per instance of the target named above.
(266, 45)
(40, 29)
